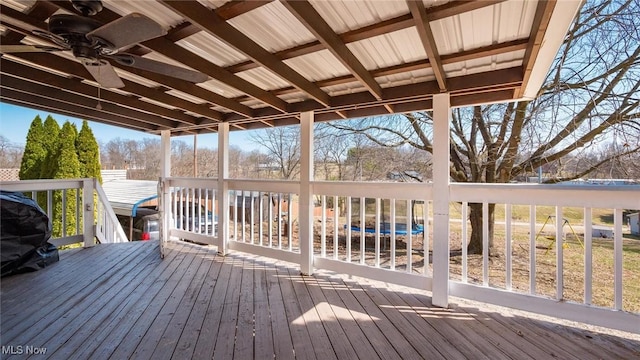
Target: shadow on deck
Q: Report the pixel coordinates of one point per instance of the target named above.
(121, 300)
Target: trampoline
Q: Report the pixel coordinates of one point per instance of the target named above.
(385, 229)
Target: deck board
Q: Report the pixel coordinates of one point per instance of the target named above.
(122, 301)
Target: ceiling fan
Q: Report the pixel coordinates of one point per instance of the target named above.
(93, 42)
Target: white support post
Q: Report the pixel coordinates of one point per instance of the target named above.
(163, 189)
(441, 142)
(306, 193)
(88, 228)
(223, 188)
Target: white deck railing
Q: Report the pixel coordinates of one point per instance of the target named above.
(263, 219)
(94, 216)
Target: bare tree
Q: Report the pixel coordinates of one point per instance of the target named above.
(282, 145)
(10, 154)
(590, 97)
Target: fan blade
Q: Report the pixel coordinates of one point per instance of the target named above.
(127, 30)
(104, 74)
(141, 63)
(12, 49)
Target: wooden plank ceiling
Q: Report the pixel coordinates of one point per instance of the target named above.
(152, 102)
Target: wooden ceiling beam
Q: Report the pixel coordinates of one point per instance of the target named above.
(540, 23)
(91, 92)
(494, 81)
(428, 42)
(227, 11)
(311, 19)
(166, 46)
(43, 103)
(214, 25)
(485, 51)
(180, 54)
(54, 93)
(76, 69)
(191, 89)
(384, 27)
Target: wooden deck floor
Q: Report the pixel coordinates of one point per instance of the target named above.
(121, 301)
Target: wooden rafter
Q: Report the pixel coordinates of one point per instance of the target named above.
(167, 47)
(540, 24)
(428, 42)
(210, 22)
(172, 117)
(76, 69)
(309, 17)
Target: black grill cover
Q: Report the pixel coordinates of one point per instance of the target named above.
(24, 232)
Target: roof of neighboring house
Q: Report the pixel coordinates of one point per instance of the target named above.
(9, 174)
(126, 195)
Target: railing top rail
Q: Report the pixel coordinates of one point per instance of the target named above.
(43, 184)
(620, 196)
(394, 190)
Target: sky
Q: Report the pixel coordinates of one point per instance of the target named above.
(15, 122)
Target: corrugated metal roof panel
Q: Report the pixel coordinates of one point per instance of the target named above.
(317, 66)
(343, 89)
(29, 63)
(483, 27)
(158, 103)
(410, 77)
(343, 16)
(478, 66)
(213, 4)
(263, 78)
(19, 5)
(220, 88)
(185, 96)
(155, 11)
(294, 97)
(165, 59)
(212, 49)
(390, 49)
(272, 27)
(135, 78)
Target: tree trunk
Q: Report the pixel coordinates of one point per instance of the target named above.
(476, 216)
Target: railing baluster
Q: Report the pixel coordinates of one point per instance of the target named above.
(79, 218)
(485, 243)
(409, 238)
(270, 228)
(336, 216)
(392, 237)
(323, 229)
(260, 217)
(507, 245)
(64, 212)
(588, 257)
(532, 249)
(617, 256)
(559, 254)
(279, 217)
(348, 229)
(362, 229)
(243, 218)
(290, 223)
(465, 240)
(252, 204)
(426, 237)
(50, 204)
(377, 235)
